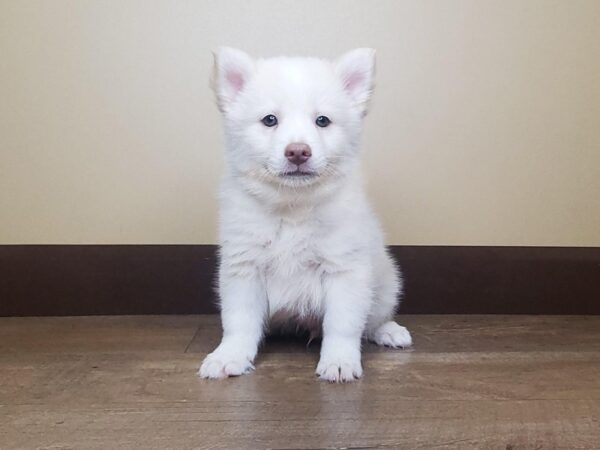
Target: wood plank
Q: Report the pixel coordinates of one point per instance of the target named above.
(396, 424)
(159, 377)
(95, 334)
(451, 333)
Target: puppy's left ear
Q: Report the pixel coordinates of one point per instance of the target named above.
(357, 72)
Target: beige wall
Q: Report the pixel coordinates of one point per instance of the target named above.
(485, 127)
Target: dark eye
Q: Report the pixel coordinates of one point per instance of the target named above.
(269, 121)
(322, 121)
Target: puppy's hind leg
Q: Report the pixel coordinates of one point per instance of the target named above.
(381, 328)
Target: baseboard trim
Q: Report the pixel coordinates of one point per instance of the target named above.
(61, 280)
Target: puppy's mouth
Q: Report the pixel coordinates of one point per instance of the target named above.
(298, 174)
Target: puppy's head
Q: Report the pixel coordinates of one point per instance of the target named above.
(292, 121)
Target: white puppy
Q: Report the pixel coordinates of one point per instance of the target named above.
(299, 242)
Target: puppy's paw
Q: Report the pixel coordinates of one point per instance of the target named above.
(390, 334)
(222, 365)
(339, 370)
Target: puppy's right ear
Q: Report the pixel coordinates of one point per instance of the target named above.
(232, 70)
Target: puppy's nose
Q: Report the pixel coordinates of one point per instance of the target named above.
(297, 153)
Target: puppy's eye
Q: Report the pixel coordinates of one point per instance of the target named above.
(269, 121)
(322, 121)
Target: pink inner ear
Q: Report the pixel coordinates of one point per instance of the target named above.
(353, 80)
(235, 80)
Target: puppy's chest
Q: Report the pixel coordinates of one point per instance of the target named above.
(291, 249)
(293, 262)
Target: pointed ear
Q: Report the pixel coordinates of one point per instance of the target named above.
(232, 70)
(357, 71)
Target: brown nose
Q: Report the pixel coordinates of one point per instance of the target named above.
(297, 153)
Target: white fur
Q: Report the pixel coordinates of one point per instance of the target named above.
(303, 249)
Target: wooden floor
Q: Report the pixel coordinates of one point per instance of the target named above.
(471, 382)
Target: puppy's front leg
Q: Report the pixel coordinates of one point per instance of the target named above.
(243, 311)
(346, 307)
